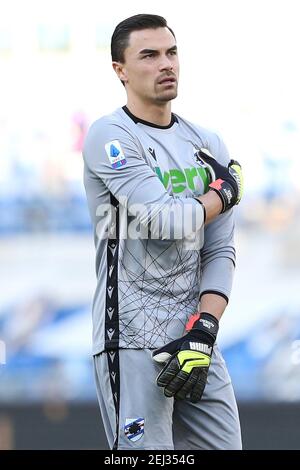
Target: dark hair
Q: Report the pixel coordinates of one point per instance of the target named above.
(120, 37)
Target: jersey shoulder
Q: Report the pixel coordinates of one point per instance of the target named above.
(110, 127)
(205, 133)
(115, 119)
(208, 138)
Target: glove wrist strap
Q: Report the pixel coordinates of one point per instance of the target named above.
(208, 324)
(226, 192)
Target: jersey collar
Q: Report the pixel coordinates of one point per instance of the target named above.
(147, 123)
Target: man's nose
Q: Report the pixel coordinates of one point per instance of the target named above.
(166, 64)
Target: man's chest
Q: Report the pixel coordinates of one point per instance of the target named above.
(174, 161)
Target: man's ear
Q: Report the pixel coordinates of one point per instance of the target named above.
(120, 70)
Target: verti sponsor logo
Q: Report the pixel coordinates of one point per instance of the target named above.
(181, 180)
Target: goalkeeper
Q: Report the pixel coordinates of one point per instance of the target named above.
(161, 193)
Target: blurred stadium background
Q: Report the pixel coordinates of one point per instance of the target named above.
(239, 76)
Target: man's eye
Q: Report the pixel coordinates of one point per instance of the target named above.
(173, 52)
(148, 55)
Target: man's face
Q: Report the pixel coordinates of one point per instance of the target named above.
(151, 66)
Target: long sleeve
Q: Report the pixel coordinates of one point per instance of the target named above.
(218, 251)
(218, 256)
(112, 155)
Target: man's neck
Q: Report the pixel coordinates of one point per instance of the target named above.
(159, 115)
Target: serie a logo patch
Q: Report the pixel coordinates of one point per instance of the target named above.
(115, 154)
(134, 428)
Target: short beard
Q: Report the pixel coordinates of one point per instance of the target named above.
(164, 98)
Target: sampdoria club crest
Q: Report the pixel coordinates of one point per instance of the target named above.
(134, 428)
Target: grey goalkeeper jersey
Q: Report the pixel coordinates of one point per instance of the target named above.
(154, 258)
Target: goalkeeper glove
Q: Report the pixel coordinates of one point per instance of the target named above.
(226, 181)
(187, 360)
